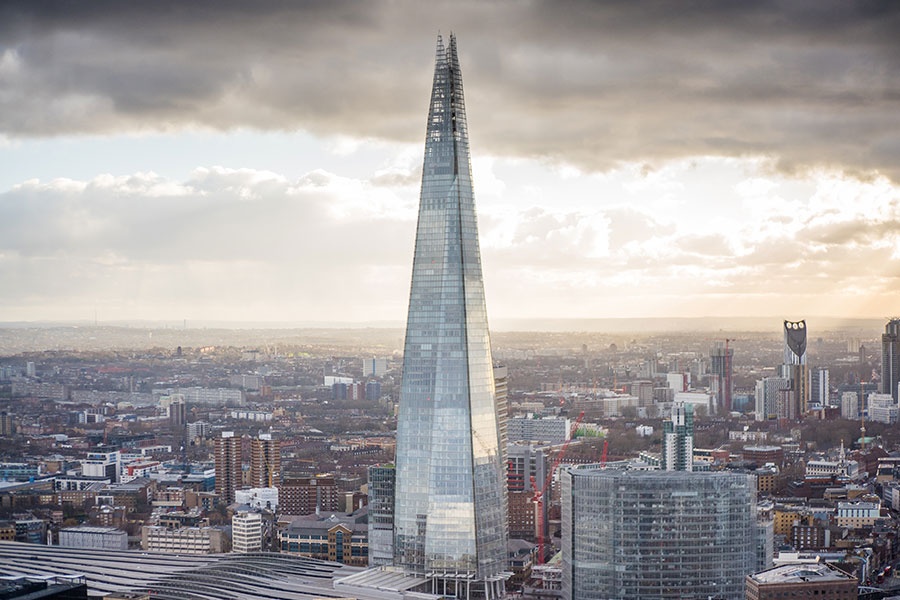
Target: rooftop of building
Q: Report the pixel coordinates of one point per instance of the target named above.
(92, 529)
(804, 573)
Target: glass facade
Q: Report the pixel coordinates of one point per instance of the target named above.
(450, 506)
(657, 534)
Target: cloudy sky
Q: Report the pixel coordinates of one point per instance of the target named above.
(261, 161)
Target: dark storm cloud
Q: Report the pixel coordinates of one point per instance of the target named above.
(813, 83)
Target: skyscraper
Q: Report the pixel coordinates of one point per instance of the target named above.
(228, 465)
(795, 369)
(450, 507)
(890, 358)
(721, 383)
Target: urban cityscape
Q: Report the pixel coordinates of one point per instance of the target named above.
(683, 455)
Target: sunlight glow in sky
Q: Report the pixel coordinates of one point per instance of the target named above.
(695, 172)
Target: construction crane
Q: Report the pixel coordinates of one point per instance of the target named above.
(539, 494)
(604, 453)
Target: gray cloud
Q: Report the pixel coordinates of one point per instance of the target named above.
(593, 84)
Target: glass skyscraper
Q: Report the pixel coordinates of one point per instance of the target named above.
(450, 504)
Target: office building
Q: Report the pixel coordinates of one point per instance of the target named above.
(720, 376)
(184, 540)
(265, 462)
(98, 538)
(228, 465)
(656, 534)
(102, 462)
(890, 358)
(808, 580)
(258, 498)
(450, 509)
(678, 439)
(337, 538)
(882, 408)
(246, 532)
(381, 515)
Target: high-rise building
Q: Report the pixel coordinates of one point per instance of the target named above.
(381, 515)
(228, 465)
(767, 394)
(265, 462)
(819, 390)
(795, 369)
(678, 439)
(720, 376)
(177, 410)
(890, 358)
(450, 509)
(656, 534)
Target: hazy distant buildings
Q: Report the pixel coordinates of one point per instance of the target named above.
(720, 376)
(890, 358)
(450, 509)
(375, 367)
(656, 534)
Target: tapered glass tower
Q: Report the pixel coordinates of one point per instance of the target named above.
(450, 506)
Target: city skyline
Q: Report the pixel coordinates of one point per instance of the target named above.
(632, 160)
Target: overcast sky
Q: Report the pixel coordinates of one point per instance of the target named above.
(261, 161)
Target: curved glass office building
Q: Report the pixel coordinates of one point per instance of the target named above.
(450, 504)
(654, 535)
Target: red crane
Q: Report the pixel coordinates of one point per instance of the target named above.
(539, 494)
(605, 451)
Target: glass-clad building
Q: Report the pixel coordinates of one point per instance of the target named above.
(655, 535)
(450, 506)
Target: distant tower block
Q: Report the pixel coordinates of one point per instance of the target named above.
(795, 369)
(890, 358)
